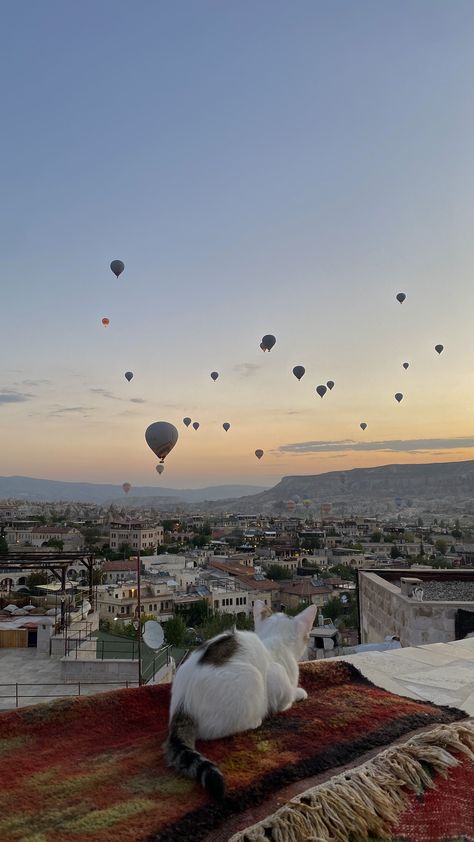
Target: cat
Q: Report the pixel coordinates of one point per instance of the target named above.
(230, 684)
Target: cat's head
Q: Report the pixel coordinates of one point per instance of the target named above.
(292, 631)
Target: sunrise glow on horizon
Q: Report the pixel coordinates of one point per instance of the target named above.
(289, 179)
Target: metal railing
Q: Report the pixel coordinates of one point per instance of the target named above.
(103, 649)
(79, 686)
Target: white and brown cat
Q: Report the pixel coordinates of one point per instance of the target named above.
(230, 684)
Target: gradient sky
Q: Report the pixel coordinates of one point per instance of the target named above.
(260, 167)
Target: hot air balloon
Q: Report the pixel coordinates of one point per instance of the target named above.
(117, 267)
(160, 468)
(128, 375)
(405, 365)
(399, 397)
(439, 348)
(401, 297)
(196, 425)
(291, 506)
(321, 390)
(105, 322)
(161, 437)
(363, 425)
(226, 426)
(262, 346)
(298, 371)
(259, 454)
(186, 421)
(330, 384)
(126, 487)
(214, 375)
(268, 342)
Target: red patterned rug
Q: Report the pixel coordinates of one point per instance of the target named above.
(92, 769)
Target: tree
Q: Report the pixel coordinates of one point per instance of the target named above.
(91, 536)
(37, 578)
(376, 537)
(3, 544)
(276, 572)
(395, 552)
(441, 546)
(54, 542)
(175, 630)
(457, 532)
(345, 571)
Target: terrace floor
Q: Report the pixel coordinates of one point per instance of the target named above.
(442, 673)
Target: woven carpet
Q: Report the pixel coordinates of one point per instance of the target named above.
(92, 769)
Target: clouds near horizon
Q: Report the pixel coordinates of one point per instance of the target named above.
(390, 446)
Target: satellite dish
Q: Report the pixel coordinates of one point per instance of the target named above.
(153, 634)
(344, 598)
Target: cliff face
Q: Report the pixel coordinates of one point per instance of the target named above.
(370, 488)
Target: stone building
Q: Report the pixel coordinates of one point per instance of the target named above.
(419, 607)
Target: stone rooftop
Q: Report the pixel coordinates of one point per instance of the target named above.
(442, 673)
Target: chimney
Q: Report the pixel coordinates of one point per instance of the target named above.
(408, 585)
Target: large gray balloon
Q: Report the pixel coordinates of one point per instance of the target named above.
(117, 267)
(186, 421)
(401, 297)
(214, 375)
(196, 425)
(330, 384)
(160, 468)
(439, 348)
(226, 426)
(298, 371)
(398, 397)
(406, 365)
(363, 425)
(128, 375)
(321, 390)
(161, 437)
(268, 342)
(259, 453)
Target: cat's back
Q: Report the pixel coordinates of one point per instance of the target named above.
(219, 658)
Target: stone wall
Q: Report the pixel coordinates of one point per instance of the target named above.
(384, 610)
(99, 671)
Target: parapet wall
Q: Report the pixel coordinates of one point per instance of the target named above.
(385, 611)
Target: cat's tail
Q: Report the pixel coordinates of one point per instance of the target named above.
(181, 753)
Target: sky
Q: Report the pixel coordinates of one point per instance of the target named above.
(260, 167)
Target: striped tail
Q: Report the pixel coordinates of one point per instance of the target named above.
(181, 753)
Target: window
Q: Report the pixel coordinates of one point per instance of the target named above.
(216, 603)
(122, 609)
(150, 607)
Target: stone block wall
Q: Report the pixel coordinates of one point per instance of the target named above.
(384, 611)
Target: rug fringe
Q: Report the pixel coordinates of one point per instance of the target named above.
(366, 800)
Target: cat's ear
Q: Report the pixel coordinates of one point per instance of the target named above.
(304, 621)
(260, 612)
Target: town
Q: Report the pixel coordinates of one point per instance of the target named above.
(201, 574)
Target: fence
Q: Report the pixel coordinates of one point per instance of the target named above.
(75, 688)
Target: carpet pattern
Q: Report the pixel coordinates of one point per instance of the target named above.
(443, 814)
(92, 769)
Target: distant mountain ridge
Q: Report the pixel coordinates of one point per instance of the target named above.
(53, 491)
(364, 489)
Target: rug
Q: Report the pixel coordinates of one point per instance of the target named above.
(373, 802)
(92, 769)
